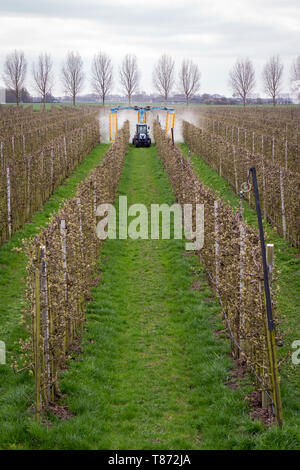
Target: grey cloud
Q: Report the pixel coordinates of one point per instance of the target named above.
(175, 28)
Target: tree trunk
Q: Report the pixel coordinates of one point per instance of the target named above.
(74, 98)
(274, 101)
(244, 101)
(103, 100)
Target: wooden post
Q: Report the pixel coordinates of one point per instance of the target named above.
(94, 204)
(282, 204)
(182, 180)
(167, 123)
(116, 124)
(13, 145)
(242, 325)
(66, 156)
(235, 171)
(28, 185)
(63, 234)
(264, 186)
(271, 344)
(52, 169)
(24, 145)
(286, 154)
(95, 197)
(2, 353)
(2, 154)
(45, 316)
(110, 127)
(217, 261)
(37, 370)
(273, 149)
(270, 261)
(53, 365)
(265, 400)
(80, 225)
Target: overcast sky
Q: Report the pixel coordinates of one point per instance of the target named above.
(213, 33)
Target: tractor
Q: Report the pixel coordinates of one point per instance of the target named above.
(141, 137)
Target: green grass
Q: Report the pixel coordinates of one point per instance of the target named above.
(16, 390)
(152, 373)
(287, 280)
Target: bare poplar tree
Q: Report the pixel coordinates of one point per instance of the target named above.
(102, 75)
(164, 75)
(42, 74)
(129, 75)
(14, 74)
(295, 76)
(272, 77)
(189, 79)
(72, 75)
(242, 78)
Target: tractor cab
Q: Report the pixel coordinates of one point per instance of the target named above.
(141, 137)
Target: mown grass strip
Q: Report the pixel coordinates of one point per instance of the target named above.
(287, 285)
(16, 390)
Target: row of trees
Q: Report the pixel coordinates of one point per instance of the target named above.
(73, 77)
(242, 78)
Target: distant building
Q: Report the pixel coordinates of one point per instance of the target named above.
(2, 96)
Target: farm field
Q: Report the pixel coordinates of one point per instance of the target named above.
(133, 348)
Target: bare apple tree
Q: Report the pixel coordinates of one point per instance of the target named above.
(295, 77)
(14, 73)
(242, 78)
(189, 79)
(72, 75)
(42, 74)
(164, 75)
(129, 75)
(272, 77)
(102, 75)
